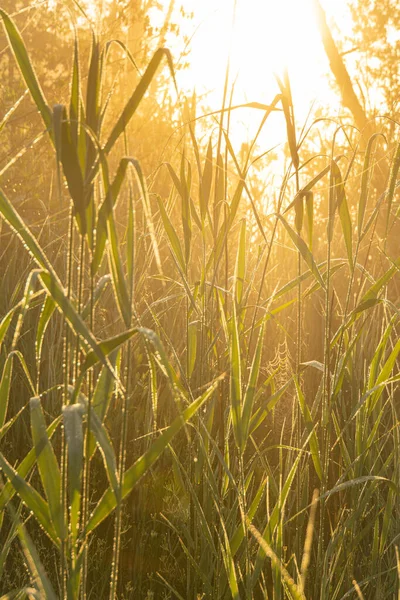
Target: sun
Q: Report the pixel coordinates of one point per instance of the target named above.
(261, 38)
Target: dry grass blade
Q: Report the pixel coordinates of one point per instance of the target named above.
(294, 592)
(358, 590)
(305, 561)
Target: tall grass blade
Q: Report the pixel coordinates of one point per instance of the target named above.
(75, 96)
(310, 218)
(24, 468)
(276, 514)
(72, 316)
(21, 229)
(249, 395)
(378, 354)
(304, 251)
(239, 534)
(240, 267)
(106, 347)
(46, 313)
(11, 111)
(93, 99)
(48, 466)
(102, 396)
(137, 96)
(73, 172)
(192, 347)
(343, 211)
(21, 56)
(37, 572)
(186, 212)
(105, 445)
(310, 425)
(287, 105)
(48, 277)
(5, 384)
(6, 322)
(307, 188)
(106, 212)
(374, 290)
(206, 181)
(229, 565)
(33, 500)
(72, 418)
(142, 186)
(332, 201)
(359, 481)
(97, 293)
(171, 233)
(365, 179)
(235, 390)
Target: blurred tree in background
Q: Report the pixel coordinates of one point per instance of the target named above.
(376, 37)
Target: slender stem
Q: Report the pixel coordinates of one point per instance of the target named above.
(298, 362)
(124, 432)
(121, 470)
(243, 510)
(86, 481)
(66, 366)
(326, 389)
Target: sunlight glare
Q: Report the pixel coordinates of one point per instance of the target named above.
(271, 35)
(268, 36)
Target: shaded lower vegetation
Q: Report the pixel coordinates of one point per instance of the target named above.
(199, 393)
